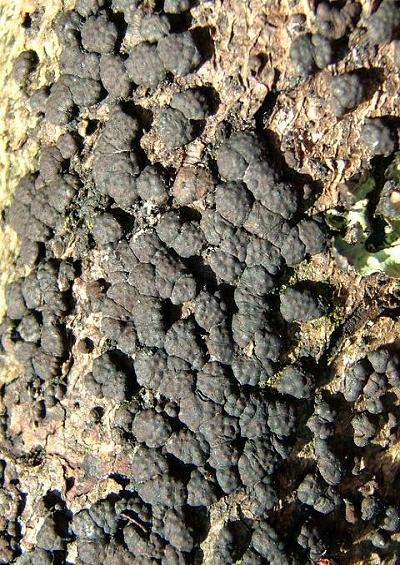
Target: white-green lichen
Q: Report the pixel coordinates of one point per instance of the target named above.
(353, 247)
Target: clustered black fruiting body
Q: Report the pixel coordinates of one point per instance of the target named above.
(377, 137)
(310, 52)
(328, 42)
(384, 23)
(347, 91)
(195, 314)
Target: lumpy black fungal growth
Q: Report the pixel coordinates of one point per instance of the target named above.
(384, 22)
(188, 275)
(347, 91)
(311, 52)
(377, 137)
